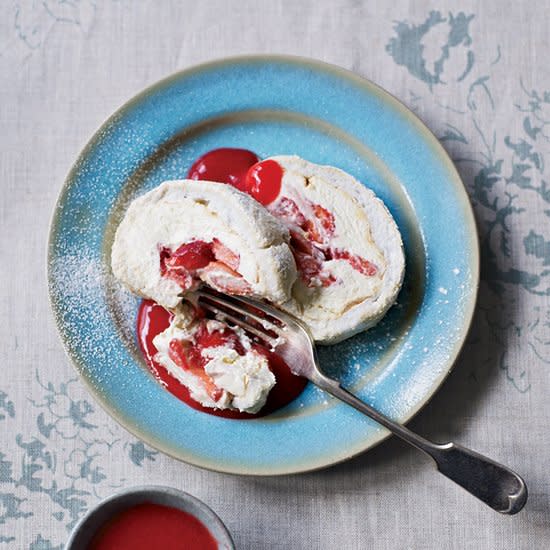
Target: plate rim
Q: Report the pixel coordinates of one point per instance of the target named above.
(365, 84)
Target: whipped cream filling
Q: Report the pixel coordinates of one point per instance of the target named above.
(245, 379)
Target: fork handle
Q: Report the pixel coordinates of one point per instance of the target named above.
(494, 484)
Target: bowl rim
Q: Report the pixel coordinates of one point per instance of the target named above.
(124, 500)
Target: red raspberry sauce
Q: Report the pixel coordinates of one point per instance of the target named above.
(242, 169)
(263, 181)
(153, 319)
(146, 526)
(225, 165)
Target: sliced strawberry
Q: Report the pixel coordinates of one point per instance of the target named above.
(185, 357)
(205, 338)
(357, 262)
(224, 279)
(193, 255)
(183, 278)
(164, 255)
(309, 260)
(288, 211)
(326, 218)
(213, 391)
(311, 270)
(212, 262)
(312, 232)
(300, 243)
(177, 351)
(320, 229)
(178, 265)
(195, 358)
(305, 238)
(225, 255)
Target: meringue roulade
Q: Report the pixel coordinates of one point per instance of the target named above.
(186, 233)
(310, 239)
(346, 245)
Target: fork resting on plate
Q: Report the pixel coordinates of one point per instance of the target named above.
(491, 482)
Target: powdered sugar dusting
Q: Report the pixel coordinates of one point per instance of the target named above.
(85, 294)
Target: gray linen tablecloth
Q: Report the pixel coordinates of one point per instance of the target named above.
(476, 72)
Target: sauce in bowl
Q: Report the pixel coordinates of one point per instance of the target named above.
(147, 526)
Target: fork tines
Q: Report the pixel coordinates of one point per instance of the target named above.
(251, 316)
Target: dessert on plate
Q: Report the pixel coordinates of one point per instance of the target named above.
(309, 239)
(185, 233)
(219, 365)
(346, 245)
(181, 235)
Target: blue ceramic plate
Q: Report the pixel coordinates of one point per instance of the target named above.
(273, 106)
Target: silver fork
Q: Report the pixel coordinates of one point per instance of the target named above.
(491, 482)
